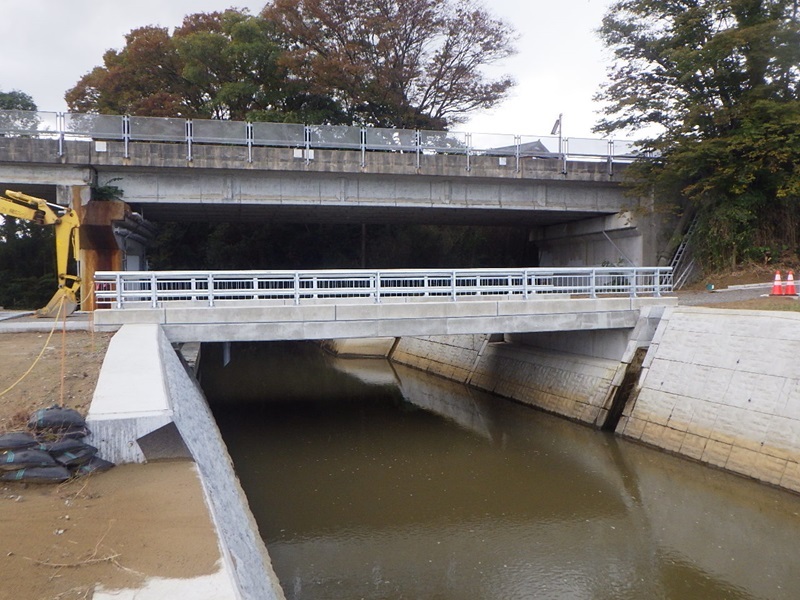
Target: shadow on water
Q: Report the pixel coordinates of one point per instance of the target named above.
(374, 480)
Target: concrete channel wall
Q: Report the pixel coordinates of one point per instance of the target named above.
(723, 387)
(146, 406)
(575, 374)
(570, 385)
(718, 386)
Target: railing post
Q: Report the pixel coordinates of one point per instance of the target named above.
(418, 144)
(188, 139)
(633, 283)
(378, 287)
(118, 283)
(363, 147)
(210, 282)
(453, 286)
(564, 151)
(468, 139)
(593, 284)
(126, 133)
(307, 140)
(255, 288)
(153, 291)
(610, 158)
(248, 132)
(517, 144)
(657, 283)
(60, 125)
(525, 284)
(297, 288)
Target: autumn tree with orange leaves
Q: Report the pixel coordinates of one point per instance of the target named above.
(391, 63)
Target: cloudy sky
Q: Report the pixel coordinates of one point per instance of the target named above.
(47, 45)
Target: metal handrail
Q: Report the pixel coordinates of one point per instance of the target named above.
(128, 129)
(154, 289)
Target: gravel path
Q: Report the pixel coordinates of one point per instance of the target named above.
(735, 293)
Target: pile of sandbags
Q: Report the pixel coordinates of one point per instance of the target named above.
(51, 451)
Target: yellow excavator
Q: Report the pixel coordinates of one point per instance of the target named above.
(66, 224)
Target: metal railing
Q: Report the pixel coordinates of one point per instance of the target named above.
(304, 139)
(154, 289)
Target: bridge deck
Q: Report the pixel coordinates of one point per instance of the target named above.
(282, 305)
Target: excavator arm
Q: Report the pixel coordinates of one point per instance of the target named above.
(66, 225)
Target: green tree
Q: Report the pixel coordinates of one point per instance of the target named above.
(396, 63)
(16, 100)
(718, 79)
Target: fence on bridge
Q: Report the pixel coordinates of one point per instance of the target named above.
(304, 139)
(154, 289)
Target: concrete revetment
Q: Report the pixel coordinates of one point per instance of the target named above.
(717, 386)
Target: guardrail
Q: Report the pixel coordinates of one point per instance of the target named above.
(304, 139)
(154, 289)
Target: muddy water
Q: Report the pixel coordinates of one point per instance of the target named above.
(369, 480)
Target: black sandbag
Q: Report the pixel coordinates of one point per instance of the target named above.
(94, 465)
(17, 441)
(56, 418)
(11, 460)
(62, 444)
(52, 474)
(76, 457)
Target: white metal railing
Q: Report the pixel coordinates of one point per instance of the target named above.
(305, 138)
(154, 289)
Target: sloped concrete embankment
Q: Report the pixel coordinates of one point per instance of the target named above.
(576, 374)
(723, 387)
(146, 406)
(718, 386)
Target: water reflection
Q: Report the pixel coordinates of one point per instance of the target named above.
(377, 481)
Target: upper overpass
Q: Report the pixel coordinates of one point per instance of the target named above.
(567, 192)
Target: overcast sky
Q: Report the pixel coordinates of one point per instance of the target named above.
(47, 45)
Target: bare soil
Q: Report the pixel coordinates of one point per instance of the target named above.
(114, 528)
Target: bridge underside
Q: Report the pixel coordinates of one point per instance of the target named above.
(243, 322)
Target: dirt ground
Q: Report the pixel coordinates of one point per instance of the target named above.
(114, 528)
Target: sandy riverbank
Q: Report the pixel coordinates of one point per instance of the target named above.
(109, 531)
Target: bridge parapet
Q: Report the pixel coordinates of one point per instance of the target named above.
(187, 140)
(284, 305)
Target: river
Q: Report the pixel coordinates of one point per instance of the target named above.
(372, 480)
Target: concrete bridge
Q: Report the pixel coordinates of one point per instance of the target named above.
(567, 192)
(313, 305)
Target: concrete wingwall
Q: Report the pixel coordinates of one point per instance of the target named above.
(147, 406)
(722, 387)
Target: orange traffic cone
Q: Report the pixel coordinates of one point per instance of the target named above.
(777, 288)
(790, 291)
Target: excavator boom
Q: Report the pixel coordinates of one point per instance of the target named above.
(66, 225)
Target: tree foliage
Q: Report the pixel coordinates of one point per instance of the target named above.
(410, 63)
(404, 63)
(720, 81)
(221, 65)
(16, 100)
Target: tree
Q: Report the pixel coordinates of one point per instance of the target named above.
(396, 63)
(720, 79)
(222, 65)
(16, 100)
